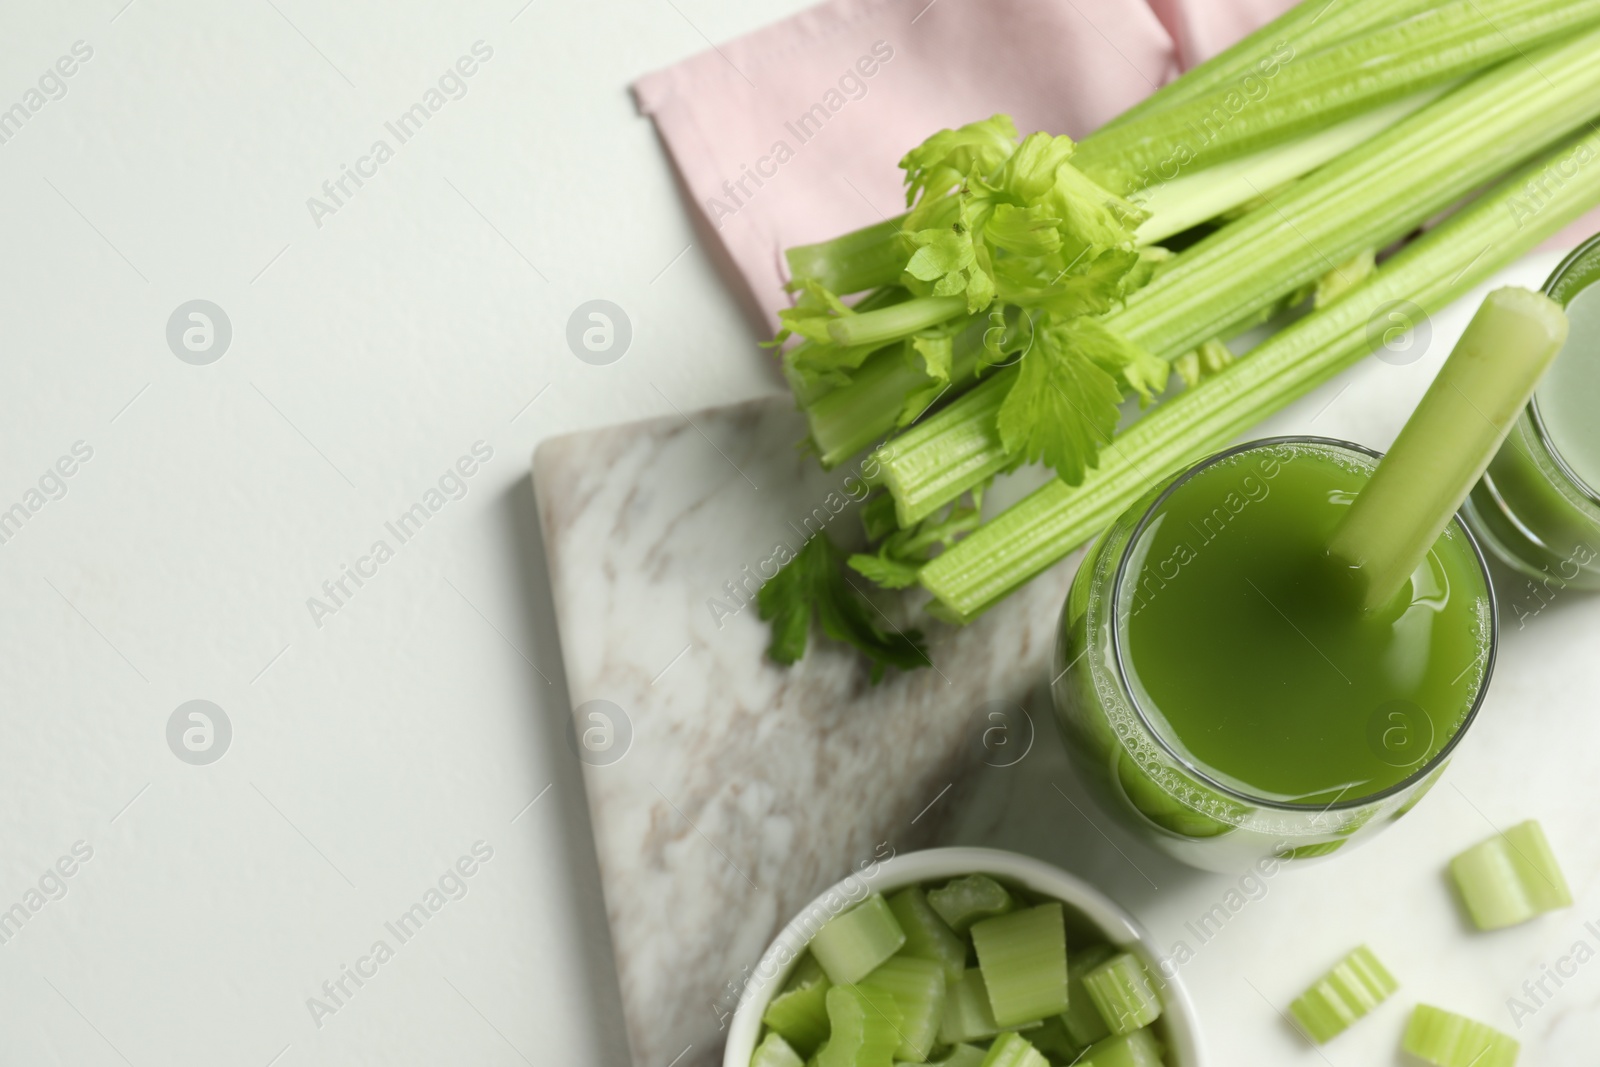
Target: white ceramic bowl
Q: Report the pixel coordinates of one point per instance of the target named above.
(1086, 909)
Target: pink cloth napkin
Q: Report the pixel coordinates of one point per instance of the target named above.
(791, 134)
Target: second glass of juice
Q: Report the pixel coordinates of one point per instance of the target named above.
(1537, 507)
(1219, 683)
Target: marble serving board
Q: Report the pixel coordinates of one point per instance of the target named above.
(725, 792)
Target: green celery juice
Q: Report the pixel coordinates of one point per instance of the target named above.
(1249, 656)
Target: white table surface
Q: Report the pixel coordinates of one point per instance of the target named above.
(371, 752)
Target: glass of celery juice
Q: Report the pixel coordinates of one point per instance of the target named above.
(1220, 683)
(1537, 507)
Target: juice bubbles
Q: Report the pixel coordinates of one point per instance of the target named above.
(1221, 682)
(1538, 506)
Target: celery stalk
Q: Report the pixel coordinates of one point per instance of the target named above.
(1307, 26)
(1123, 993)
(927, 936)
(860, 260)
(1023, 957)
(898, 320)
(800, 1013)
(1312, 91)
(918, 990)
(846, 420)
(865, 1028)
(1081, 1020)
(930, 465)
(1444, 1039)
(1510, 878)
(1192, 198)
(853, 944)
(1356, 984)
(1449, 440)
(1014, 1050)
(1492, 233)
(964, 901)
(1369, 198)
(1140, 1048)
(774, 1051)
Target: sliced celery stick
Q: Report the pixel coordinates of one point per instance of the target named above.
(1510, 878)
(928, 937)
(1014, 1050)
(960, 1056)
(852, 944)
(918, 989)
(1446, 445)
(1444, 1039)
(1023, 957)
(1052, 1040)
(1357, 984)
(1139, 1048)
(865, 1027)
(774, 1051)
(968, 900)
(1081, 1020)
(967, 1015)
(1123, 993)
(800, 1012)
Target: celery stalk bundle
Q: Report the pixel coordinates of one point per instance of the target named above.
(1022, 298)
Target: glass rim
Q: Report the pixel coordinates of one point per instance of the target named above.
(1190, 766)
(1567, 269)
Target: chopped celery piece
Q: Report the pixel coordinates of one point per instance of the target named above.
(865, 1027)
(918, 989)
(1123, 993)
(1444, 1039)
(1510, 878)
(1356, 984)
(928, 937)
(1081, 1020)
(1023, 957)
(1052, 1040)
(774, 1051)
(968, 900)
(967, 1014)
(1014, 1050)
(1140, 1048)
(800, 1013)
(853, 944)
(962, 1056)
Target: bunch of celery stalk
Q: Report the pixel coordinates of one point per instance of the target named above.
(1036, 284)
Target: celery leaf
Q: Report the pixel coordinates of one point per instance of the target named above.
(813, 586)
(945, 160)
(1063, 405)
